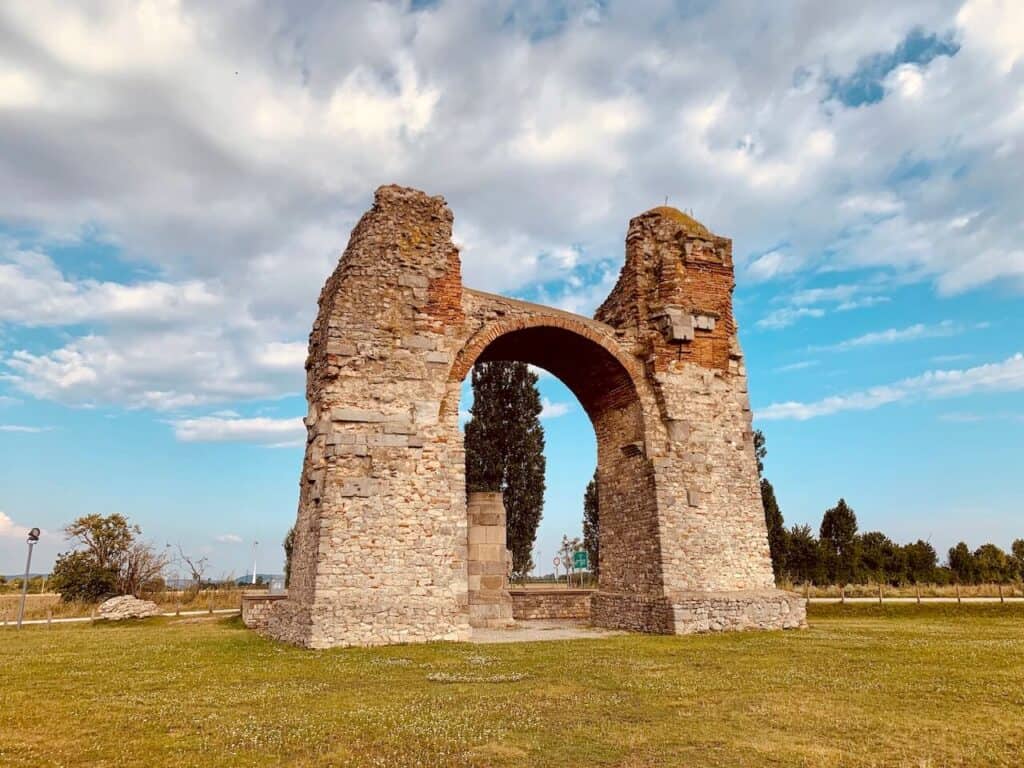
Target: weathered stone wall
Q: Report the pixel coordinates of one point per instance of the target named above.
(555, 603)
(381, 549)
(490, 604)
(257, 608)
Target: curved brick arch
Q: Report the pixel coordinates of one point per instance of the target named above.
(568, 347)
(381, 547)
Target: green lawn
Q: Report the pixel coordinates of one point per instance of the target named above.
(865, 686)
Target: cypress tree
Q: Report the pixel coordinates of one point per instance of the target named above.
(778, 537)
(591, 529)
(839, 541)
(505, 450)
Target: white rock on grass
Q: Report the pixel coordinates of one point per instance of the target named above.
(127, 607)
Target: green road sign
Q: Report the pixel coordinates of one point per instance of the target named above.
(580, 560)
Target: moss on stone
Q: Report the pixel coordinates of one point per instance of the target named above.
(689, 223)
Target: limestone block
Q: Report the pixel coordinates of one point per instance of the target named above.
(127, 607)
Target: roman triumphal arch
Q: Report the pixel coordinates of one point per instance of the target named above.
(380, 552)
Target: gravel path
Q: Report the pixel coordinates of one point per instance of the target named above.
(532, 631)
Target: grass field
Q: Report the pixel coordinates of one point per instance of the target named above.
(938, 685)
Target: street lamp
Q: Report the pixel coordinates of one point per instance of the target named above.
(33, 537)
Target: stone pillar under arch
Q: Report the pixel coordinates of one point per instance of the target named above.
(490, 603)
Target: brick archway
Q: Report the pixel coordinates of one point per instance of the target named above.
(587, 361)
(380, 541)
(605, 381)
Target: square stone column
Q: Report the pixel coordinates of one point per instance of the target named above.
(490, 604)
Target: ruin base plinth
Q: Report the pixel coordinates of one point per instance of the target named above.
(690, 612)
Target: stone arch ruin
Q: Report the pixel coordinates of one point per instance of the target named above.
(380, 552)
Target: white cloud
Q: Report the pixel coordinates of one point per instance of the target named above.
(34, 292)
(862, 303)
(799, 366)
(1005, 376)
(23, 428)
(221, 429)
(229, 538)
(817, 302)
(225, 150)
(961, 417)
(9, 529)
(552, 410)
(772, 264)
(160, 369)
(898, 335)
(785, 317)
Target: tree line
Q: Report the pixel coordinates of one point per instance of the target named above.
(841, 554)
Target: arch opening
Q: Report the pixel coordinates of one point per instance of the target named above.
(630, 563)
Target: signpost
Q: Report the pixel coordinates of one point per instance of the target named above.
(581, 560)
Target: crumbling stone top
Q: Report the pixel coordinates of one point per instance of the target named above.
(690, 224)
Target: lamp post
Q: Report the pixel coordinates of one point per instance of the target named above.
(33, 537)
(254, 545)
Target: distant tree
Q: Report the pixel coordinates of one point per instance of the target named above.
(591, 526)
(778, 539)
(777, 536)
(111, 559)
(106, 539)
(79, 578)
(802, 561)
(569, 547)
(1017, 556)
(838, 537)
(505, 450)
(922, 561)
(289, 545)
(760, 450)
(197, 567)
(991, 565)
(961, 563)
(881, 560)
(142, 569)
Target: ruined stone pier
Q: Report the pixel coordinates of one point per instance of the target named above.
(382, 541)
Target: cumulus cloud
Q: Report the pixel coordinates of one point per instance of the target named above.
(225, 150)
(551, 410)
(33, 291)
(1005, 376)
(11, 530)
(817, 302)
(229, 429)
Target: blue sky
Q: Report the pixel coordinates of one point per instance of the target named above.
(177, 180)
